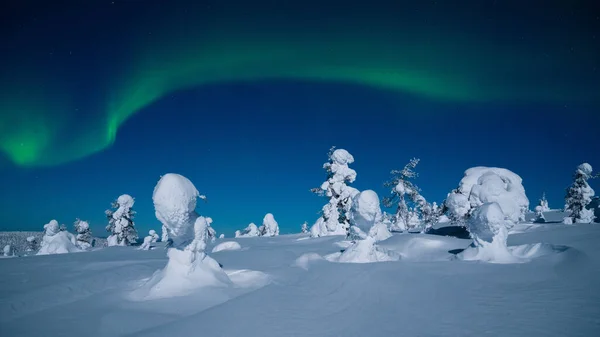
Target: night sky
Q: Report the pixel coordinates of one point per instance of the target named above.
(245, 98)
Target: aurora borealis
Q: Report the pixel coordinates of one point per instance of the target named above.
(98, 98)
(488, 55)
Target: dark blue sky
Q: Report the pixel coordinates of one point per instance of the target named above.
(258, 145)
(254, 148)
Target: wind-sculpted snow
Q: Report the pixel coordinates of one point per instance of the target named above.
(228, 245)
(283, 287)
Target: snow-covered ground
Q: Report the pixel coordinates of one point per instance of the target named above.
(285, 286)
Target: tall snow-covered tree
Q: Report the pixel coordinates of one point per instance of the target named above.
(334, 218)
(411, 205)
(84, 234)
(579, 195)
(120, 222)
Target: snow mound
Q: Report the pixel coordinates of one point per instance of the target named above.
(245, 278)
(491, 184)
(363, 251)
(366, 210)
(304, 260)
(229, 245)
(174, 200)
(59, 243)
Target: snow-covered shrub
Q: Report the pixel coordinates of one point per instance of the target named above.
(367, 216)
(579, 195)
(228, 245)
(147, 243)
(120, 222)
(334, 218)
(489, 229)
(270, 227)
(222, 236)
(250, 231)
(482, 185)
(304, 228)
(56, 241)
(84, 234)
(31, 243)
(152, 233)
(411, 206)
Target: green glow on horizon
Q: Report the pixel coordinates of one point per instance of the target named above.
(437, 68)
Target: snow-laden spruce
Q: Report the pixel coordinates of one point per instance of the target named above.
(334, 218)
(250, 231)
(120, 222)
(482, 185)
(579, 195)
(189, 266)
(56, 241)
(84, 234)
(269, 227)
(304, 228)
(412, 209)
(489, 226)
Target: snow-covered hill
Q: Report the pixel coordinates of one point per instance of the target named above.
(428, 292)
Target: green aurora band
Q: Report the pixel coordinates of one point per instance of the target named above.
(41, 130)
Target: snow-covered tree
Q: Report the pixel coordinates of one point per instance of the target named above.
(367, 218)
(250, 231)
(62, 227)
(222, 236)
(579, 195)
(7, 251)
(56, 241)
(411, 205)
(31, 243)
(212, 233)
(120, 222)
(334, 218)
(84, 234)
(539, 214)
(152, 233)
(544, 203)
(304, 228)
(164, 235)
(270, 227)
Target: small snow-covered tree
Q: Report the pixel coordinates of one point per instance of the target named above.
(120, 222)
(270, 227)
(411, 205)
(211, 232)
(31, 243)
(334, 218)
(304, 228)
(153, 235)
(544, 203)
(7, 250)
(222, 236)
(84, 234)
(250, 231)
(539, 214)
(579, 195)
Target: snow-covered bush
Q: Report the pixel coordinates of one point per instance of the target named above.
(84, 234)
(367, 216)
(56, 241)
(31, 243)
(250, 231)
(482, 185)
(120, 222)
(579, 195)
(270, 227)
(222, 236)
(489, 229)
(152, 233)
(411, 206)
(334, 218)
(304, 228)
